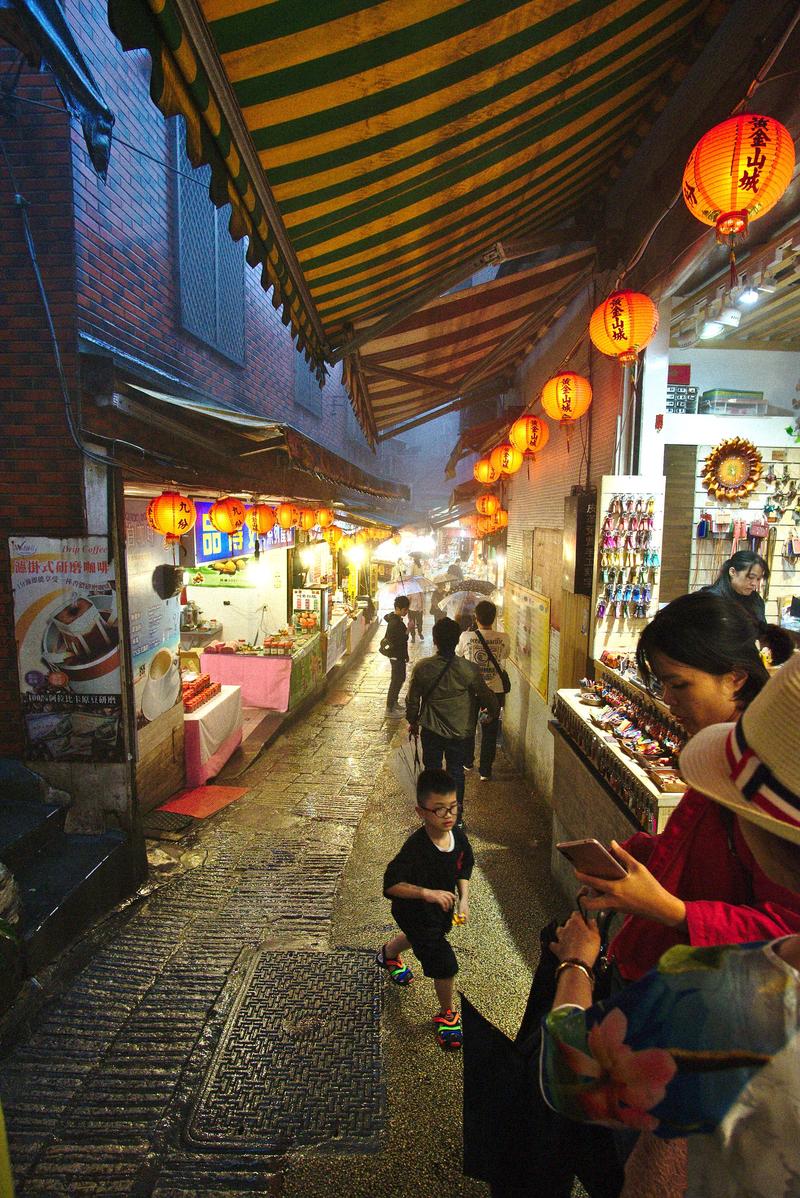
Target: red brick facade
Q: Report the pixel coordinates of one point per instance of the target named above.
(41, 479)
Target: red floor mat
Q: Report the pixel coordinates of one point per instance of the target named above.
(203, 800)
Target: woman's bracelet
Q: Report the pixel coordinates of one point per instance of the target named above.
(574, 963)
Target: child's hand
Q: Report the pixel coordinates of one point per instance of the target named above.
(463, 909)
(442, 898)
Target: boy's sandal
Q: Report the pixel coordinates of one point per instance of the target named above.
(398, 971)
(449, 1031)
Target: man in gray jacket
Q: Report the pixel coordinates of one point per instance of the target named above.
(442, 704)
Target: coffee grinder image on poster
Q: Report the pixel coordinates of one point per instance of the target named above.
(67, 632)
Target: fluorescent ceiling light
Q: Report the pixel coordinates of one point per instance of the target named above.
(711, 328)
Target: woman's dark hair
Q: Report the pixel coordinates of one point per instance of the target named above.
(744, 559)
(707, 632)
(445, 636)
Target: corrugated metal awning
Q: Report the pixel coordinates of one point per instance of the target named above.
(369, 149)
(473, 439)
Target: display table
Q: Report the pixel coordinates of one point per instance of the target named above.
(274, 682)
(211, 734)
(598, 791)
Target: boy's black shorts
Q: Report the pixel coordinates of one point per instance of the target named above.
(433, 951)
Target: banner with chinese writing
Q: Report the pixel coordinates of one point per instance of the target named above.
(67, 633)
(526, 615)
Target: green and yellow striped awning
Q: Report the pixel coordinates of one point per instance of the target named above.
(369, 148)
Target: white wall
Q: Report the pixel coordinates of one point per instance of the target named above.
(776, 373)
(239, 609)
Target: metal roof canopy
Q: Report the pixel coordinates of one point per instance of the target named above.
(372, 151)
(242, 440)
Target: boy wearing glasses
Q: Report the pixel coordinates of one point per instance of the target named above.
(428, 884)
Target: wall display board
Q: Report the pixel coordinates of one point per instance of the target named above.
(67, 633)
(547, 576)
(154, 627)
(630, 521)
(767, 520)
(526, 615)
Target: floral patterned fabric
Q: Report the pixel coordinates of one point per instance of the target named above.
(701, 1046)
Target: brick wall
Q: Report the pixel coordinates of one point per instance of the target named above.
(40, 476)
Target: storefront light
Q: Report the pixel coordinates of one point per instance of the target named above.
(307, 556)
(357, 555)
(711, 328)
(749, 297)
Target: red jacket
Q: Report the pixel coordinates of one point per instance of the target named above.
(729, 899)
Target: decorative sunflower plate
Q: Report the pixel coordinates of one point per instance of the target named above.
(732, 469)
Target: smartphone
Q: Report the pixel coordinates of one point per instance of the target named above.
(591, 857)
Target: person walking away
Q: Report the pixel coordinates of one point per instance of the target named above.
(395, 646)
(428, 884)
(415, 614)
(442, 701)
(489, 650)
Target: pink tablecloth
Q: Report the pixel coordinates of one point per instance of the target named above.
(264, 680)
(211, 734)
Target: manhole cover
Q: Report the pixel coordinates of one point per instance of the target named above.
(299, 1060)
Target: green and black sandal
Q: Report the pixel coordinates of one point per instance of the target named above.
(398, 971)
(449, 1031)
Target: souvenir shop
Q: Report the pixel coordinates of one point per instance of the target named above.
(719, 471)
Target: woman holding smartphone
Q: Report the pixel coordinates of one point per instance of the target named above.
(709, 1043)
(697, 882)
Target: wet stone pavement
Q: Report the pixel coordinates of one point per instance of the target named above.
(157, 1064)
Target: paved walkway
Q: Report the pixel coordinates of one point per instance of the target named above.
(99, 1092)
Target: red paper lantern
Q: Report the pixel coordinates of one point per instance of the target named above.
(487, 504)
(529, 434)
(505, 458)
(306, 518)
(623, 325)
(501, 518)
(171, 515)
(325, 517)
(261, 518)
(485, 472)
(285, 514)
(566, 396)
(485, 525)
(227, 515)
(333, 535)
(737, 172)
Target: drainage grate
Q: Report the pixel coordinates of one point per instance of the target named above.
(299, 1060)
(164, 825)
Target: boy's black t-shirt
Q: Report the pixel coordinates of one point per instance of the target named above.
(420, 863)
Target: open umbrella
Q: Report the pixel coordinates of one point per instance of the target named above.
(406, 586)
(425, 584)
(483, 586)
(461, 604)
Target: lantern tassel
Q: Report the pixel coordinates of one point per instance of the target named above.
(734, 276)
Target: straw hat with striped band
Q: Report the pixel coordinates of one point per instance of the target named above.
(753, 766)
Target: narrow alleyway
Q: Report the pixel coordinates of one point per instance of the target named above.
(151, 1071)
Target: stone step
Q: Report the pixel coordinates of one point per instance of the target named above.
(26, 827)
(63, 887)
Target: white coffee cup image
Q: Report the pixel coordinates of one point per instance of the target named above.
(162, 684)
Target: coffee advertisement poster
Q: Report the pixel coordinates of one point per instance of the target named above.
(68, 652)
(155, 619)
